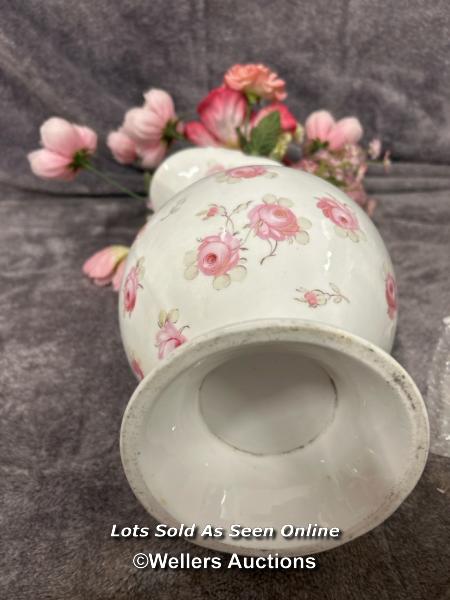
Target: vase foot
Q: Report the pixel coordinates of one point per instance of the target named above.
(275, 422)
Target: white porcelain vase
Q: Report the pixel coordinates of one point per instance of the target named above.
(258, 308)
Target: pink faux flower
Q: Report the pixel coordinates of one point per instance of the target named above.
(168, 338)
(391, 295)
(246, 172)
(257, 80)
(130, 288)
(357, 193)
(137, 369)
(338, 213)
(147, 126)
(287, 120)
(221, 113)
(122, 147)
(321, 126)
(272, 221)
(65, 147)
(218, 254)
(106, 266)
(374, 149)
(306, 164)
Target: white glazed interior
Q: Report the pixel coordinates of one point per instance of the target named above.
(356, 432)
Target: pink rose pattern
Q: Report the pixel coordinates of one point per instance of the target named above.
(132, 285)
(238, 174)
(169, 337)
(391, 295)
(345, 221)
(315, 298)
(274, 222)
(219, 255)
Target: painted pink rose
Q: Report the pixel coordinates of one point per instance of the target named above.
(246, 172)
(391, 295)
(168, 338)
(137, 370)
(338, 213)
(130, 289)
(212, 212)
(218, 254)
(272, 221)
(311, 298)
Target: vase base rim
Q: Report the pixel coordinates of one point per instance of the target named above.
(272, 422)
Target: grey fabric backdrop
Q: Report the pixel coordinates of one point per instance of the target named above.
(64, 380)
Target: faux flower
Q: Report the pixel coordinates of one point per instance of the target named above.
(288, 122)
(320, 126)
(391, 295)
(338, 213)
(106, 266)
(307, 164)
(122, 147)
(66, 148)
(257, 81)
(152, 126)
(221, 113)
(374, 149)
(218, 254)
(273, 221)
(168, 337)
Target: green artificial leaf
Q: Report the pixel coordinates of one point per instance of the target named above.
(264, 136)
(243, 141)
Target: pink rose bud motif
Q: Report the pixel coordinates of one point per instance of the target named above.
(131, 286)
(391, 295)
(274, 221)
(210, 212)
(238, 174)
(169, 337)
(315, 298)
(345, 221)
(137, 369)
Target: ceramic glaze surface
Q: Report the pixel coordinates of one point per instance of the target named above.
(188, 166)
(256, 307)
(249, 243)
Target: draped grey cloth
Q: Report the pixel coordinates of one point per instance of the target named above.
(64, 379)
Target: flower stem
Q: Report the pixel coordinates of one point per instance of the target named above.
(109, 179)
